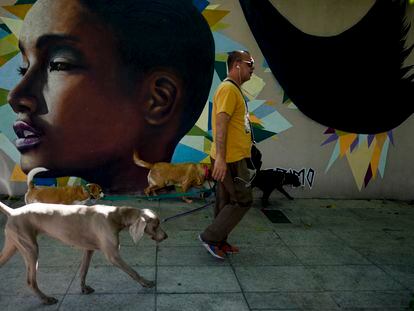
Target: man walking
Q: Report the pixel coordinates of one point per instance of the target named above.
(232, 141)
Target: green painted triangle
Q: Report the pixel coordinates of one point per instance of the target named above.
(196, 131)
(5, 28)
(285, 97)
(5, 58)
(3, 96)
(260, 135)
(221, 69)
(25, 2)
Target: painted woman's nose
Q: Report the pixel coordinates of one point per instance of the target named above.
(22, 98)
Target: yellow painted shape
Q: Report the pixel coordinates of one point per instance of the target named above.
(253, 87)
(345, 142)
(380, 138)
(8, 44)
(207, 145)
(19, 10)
(15, 25)
(18, 175)
(212, 6)
(359, 160)
(62, 181)
(202, 121)
(221, 57)
(219, 27)
(214, 16)
(340, 133)
(206, 160)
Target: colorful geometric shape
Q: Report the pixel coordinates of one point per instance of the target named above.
(19, 10)
(17, 174)
(15, 25)
(214, 16)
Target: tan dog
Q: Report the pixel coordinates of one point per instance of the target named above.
(61, 195)
(87, 227)
(163, 174)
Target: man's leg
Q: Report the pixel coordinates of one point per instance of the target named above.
(231, 212)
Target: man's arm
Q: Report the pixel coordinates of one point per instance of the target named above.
(220, 167)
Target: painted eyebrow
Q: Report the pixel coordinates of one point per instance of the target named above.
(51, 38)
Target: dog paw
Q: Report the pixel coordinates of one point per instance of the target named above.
(87, 290)
(49, 301)
(148, 284)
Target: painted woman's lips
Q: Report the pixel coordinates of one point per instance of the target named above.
(28, 137)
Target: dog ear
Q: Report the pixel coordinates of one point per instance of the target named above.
(136, 230)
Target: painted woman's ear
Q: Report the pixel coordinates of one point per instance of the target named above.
(165, 97)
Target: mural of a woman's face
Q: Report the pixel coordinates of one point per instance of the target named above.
(73, 109)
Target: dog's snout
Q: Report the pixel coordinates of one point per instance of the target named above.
(160, 236)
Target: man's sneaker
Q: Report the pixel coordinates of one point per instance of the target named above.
(213, 249)
(229, 249)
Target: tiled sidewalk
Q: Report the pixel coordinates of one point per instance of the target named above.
(334, 255)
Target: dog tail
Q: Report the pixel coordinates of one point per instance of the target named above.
(32, 173)
(5, 209)
(140, 162)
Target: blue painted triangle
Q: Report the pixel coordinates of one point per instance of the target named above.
(185, 153)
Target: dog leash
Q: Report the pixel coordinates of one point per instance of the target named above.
(188, 212)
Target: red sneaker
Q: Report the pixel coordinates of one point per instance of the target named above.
(212, 249)
(229, 249)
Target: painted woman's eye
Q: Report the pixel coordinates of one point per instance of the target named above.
(60, 66)
(22, 71)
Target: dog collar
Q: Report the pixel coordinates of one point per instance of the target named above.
(205, 171)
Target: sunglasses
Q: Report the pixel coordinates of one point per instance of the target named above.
(249, 63)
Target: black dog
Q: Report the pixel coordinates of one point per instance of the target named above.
(268, 180)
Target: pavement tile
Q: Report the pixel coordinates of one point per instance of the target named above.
(202, 279)
(112, 280)
(265, 256)
(291, 301)
(276, 278)
(61, 256)
(358, 278)
(134, 256)
(389, 254)
(402, 274)
(26, 303)
(249, 238)
(187, 256)
(181, 238)
(201, 302)
(336, 254)
(306, 237)
(109, 302)
(254, 220)
(384, 300)
(328, 255)
(362, 238)
(51, 280)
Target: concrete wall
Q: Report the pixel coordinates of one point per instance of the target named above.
(299, 146)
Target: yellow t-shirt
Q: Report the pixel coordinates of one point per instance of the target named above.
(229, 99)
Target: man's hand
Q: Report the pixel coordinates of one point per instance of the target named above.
(219, 169)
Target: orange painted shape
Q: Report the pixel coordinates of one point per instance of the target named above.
(345, 142)
(376, 155)
(19, 10)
